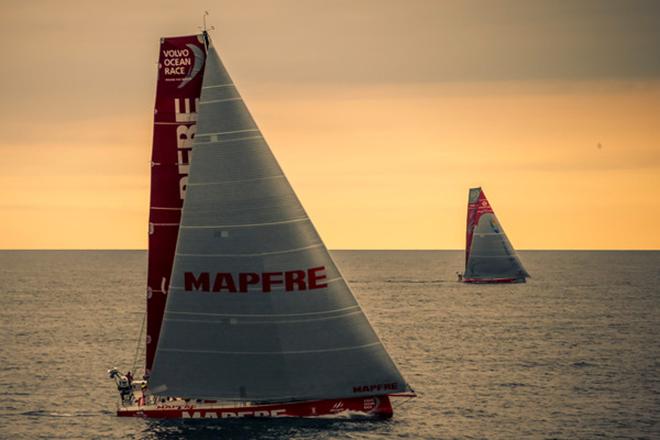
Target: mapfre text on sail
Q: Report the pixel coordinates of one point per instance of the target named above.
(227, 282)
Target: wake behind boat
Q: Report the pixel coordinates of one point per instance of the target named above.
(247, 314)
(489, 256)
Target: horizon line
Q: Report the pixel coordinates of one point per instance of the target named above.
(342, 249)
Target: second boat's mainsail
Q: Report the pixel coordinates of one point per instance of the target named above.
(488, 252)
(256, 308)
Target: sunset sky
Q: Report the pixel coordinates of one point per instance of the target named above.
(382, 113)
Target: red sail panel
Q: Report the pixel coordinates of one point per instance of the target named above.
(477, 206)
(180, 70)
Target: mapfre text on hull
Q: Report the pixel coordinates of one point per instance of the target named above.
(372, 407)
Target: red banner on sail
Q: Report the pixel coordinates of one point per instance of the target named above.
(180, 70)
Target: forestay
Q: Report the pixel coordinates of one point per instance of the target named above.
(488, 253)
(257, 310)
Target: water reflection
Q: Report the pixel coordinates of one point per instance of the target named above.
(261, 428)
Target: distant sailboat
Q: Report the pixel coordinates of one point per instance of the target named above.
(255, 320)
(489, 256)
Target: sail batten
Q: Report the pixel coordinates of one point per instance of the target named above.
(270, 315)
(274, 353)
(248, 263)
(488, 253)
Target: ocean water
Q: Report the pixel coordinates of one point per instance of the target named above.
(574, 353)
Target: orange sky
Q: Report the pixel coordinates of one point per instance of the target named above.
(381, 121)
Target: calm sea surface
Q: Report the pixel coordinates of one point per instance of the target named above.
(574, 353)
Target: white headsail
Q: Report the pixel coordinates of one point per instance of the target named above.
(256, 309)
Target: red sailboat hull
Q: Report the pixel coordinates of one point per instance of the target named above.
(377, 407)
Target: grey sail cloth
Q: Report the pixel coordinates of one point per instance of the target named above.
(241, 216)
(491, 254)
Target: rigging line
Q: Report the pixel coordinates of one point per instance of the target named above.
(401, 403)
(139, 343)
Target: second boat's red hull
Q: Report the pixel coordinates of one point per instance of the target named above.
(379, 407)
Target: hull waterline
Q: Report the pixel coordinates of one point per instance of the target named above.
(373, 407)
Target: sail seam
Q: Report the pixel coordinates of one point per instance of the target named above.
(218, 86)
(228, 140)
(493, 256)
(164, 208)
(249, 225)
(295, 321)
(215, 101)
(226, 132)
(258, 254)
(256, 179)
(262, 315)
(257, 353)
(165, 224)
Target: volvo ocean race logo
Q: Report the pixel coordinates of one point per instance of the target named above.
(182, 64)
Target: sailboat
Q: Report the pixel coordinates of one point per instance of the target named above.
(247, 314)
(489, 256)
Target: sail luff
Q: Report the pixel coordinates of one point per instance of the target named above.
(257, 309)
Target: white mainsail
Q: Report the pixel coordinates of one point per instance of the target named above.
(256, 309)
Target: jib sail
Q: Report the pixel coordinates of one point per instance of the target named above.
(488, 252)
(257, 310)
(180, 68)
